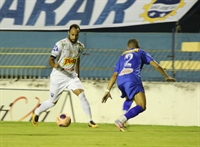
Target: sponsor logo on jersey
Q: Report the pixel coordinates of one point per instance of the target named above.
(161, 9)
(126, 71)
(69, 61)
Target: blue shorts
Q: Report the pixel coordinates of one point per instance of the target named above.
(129, 89)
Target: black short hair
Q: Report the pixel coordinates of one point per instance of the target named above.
(74, 26)
(134, 42)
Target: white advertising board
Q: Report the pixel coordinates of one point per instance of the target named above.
(176, 104)
(18, 104)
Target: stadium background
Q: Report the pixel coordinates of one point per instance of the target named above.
(174, 45)
(24, 55)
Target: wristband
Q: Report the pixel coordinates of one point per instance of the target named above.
(107, 90)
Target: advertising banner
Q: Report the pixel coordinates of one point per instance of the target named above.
(172, 105)
(19, 104)
(89, 14)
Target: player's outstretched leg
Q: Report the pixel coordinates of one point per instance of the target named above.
(43, 107)
(86, 108)
(92, 124)
(35, 119)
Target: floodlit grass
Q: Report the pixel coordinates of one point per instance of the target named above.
(23, 134)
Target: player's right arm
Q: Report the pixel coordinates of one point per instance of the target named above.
(161, 71)
(111, 82)
(52, 62)
(54, 54)
(109, 87)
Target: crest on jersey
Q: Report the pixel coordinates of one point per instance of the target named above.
(161, 9)
(63, 44)
(55, 48)
(52, 94)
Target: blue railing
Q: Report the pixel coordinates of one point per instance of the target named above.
(96, 64)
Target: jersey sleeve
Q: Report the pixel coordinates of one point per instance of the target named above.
(117, 65)
(146, 57)
(56, 50)
(81, 47)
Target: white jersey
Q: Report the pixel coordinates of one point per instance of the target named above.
(66, 55)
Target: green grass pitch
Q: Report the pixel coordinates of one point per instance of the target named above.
(23, 134)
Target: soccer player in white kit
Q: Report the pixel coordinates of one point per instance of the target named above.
(65, 62)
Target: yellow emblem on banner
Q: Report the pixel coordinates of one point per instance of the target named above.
(161, 9)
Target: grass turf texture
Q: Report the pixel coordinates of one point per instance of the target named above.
(23, 134)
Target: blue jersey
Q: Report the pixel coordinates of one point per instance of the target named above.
(129, 66)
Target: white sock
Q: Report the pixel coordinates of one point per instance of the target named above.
(85, 105)
(43, 107)
(123, 119)
(123, 112)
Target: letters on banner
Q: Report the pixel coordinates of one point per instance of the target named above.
(59, 14)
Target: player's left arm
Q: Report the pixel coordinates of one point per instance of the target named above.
(81, 48)
(78, 67)
(52, 62)
(161, 71)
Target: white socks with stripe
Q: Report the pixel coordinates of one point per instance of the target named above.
(43, 107)
(85, 105)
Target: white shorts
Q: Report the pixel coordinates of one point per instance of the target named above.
(59, 83)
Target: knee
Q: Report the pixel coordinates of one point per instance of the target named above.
(78, 91)
(143, 108)
(53, 102)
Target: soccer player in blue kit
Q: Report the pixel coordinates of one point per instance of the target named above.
(127, 73)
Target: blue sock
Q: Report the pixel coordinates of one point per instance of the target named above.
(127, 105)
(134, 112)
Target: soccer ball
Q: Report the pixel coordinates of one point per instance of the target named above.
(63, 120)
